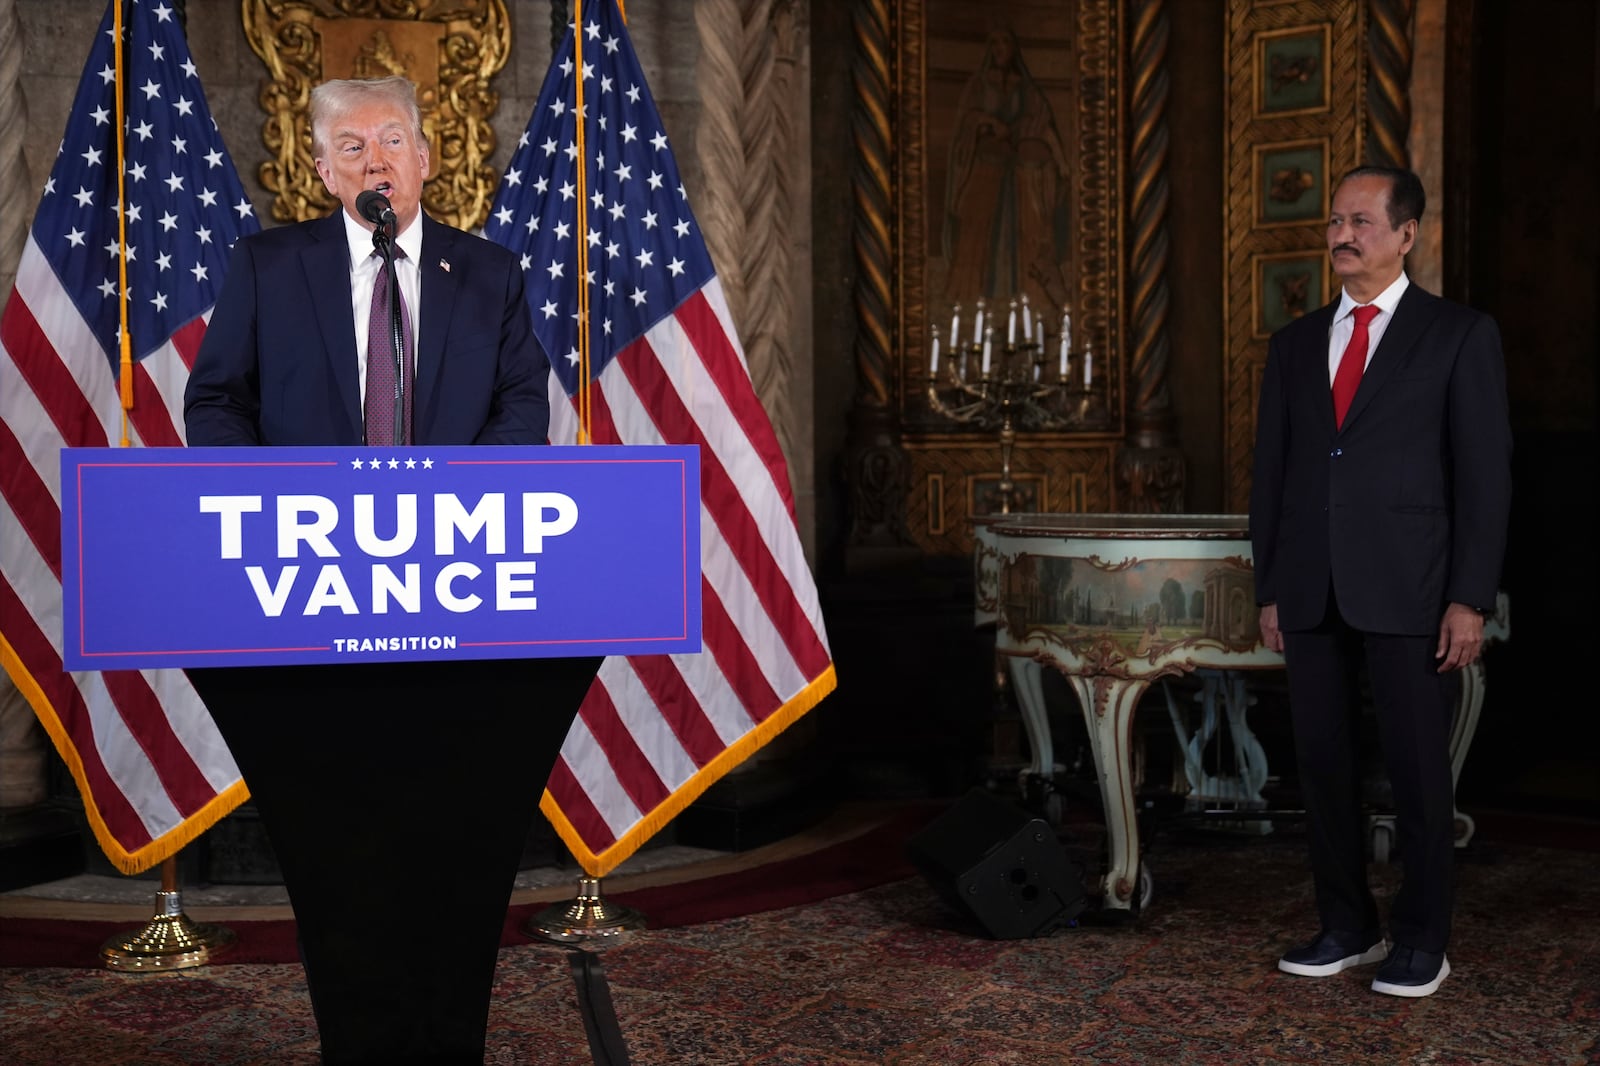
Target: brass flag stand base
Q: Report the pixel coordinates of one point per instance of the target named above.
(586, 918)
(169, 941)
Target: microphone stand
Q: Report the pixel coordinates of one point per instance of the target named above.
(381, 241)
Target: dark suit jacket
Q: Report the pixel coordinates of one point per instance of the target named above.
(1404, 508)
(278, 363)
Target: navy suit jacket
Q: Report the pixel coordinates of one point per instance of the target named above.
(278, 362)
(1404, 508)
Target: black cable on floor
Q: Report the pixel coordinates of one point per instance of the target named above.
(606, 1045)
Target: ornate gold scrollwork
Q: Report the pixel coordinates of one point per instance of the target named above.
(449, 48)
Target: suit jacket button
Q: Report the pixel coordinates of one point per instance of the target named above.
(1336, 453)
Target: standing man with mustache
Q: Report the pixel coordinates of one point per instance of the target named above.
(398, 797)
(1378, 514)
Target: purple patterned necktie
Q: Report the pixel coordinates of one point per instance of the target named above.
(379, 401)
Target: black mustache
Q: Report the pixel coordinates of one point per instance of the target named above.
(1344, 248)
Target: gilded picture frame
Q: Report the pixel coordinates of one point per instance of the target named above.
(1290, 182)
(1020, 90)
(451, 50)
(1285, 286)
(1291, 71)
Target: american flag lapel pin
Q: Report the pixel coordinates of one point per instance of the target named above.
(444, 265)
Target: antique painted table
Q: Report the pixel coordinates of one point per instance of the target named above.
(1117, 602)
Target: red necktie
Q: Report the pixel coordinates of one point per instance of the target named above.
(378, 405)
(1352, 363)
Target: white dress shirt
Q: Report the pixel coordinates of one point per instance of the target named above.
(365, 270)
(1344, 323)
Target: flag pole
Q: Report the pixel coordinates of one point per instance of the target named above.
(587, 916)
(169, 940)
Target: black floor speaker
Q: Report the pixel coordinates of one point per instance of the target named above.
(991, 859)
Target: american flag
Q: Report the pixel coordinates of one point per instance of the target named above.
(150, 765)
(666, 367)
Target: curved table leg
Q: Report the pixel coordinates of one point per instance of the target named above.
(1108, 705)
(1027, 681)
(1469, 704)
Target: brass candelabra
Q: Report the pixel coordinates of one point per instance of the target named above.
(1014, 384)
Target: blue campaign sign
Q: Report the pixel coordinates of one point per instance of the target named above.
(179, 557)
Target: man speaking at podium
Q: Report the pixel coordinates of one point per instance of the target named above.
(398, 798)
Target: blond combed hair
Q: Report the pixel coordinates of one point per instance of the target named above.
(343, 95)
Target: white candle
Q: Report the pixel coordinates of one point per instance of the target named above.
(1035, 371)
(1040, 326)
(1063, 370)
(1027, 318)
(1011, 326)
(955, 326)
(1088, 367)
(977, 325)
(1066, 330)
(987, 338)
(933, 369)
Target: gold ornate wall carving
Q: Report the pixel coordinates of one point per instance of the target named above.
(449, 48)
(1296, 89)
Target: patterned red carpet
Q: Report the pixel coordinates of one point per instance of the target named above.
(889, 975)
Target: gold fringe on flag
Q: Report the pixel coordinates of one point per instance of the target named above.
(600, 865)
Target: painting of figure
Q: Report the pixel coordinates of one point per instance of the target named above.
(1004, 227)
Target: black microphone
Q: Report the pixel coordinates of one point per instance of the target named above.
(373, 206)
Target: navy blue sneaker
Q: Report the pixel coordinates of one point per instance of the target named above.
(1410, 972)
(1332, 952)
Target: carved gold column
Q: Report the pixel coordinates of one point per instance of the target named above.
(1150, 469)
(1388, 81)
(878, 470)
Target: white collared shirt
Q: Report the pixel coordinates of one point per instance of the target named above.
(1344, 323)
(366, 268)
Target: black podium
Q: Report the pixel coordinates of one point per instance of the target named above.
(397, 799)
